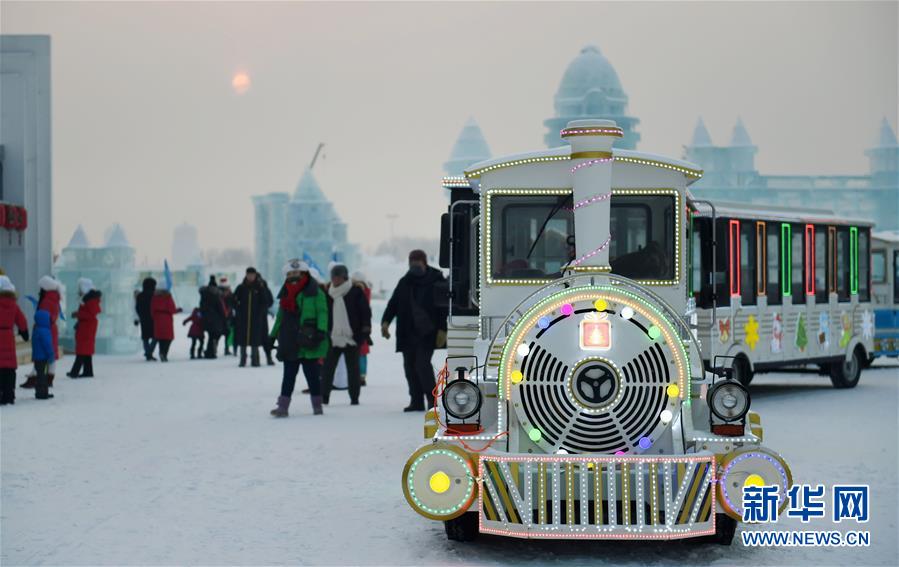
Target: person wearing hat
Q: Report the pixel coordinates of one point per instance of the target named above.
(142, 303)
(49, 300)
(350, 326)
(85, 330)
(164, 309)
(360, 281)
(420, 327)
(212, 309)
(301, 332)
(11, 319)
(252, 300)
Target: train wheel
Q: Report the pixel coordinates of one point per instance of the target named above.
(846, 374)
(742, 371)
(463, 528)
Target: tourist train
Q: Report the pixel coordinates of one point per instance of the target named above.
(885, 290)
(604, 326)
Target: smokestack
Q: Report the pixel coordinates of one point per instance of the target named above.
(591, 177)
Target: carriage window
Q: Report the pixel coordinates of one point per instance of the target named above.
(864, 275)
(772, 255)
(532, 236)
(879, 266)
(831, 259)
(748, 290)
(702, 264)
(896, 276)
(820, 289)
(843, 267)
(797, 265)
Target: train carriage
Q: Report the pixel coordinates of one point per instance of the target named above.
(885, 286)
(577, 400)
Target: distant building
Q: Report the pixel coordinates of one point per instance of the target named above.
(299, 225)
(470, 148)
(25, 161)
(590, 89)
(111, 268)
(185, 247)
(730, 174)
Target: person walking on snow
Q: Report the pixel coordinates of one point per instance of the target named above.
(361, 282)
(214, 320)
(85, 329)
(164, 309)
(49, 300)
(251, 302)
(300, 330)
(11, 318)
(350, 326)
(420, 327)
(145, 317)
(195, 332)
(42, 353)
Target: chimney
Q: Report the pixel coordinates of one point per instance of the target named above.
(591, 178)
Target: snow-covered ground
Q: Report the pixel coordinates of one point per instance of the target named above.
(180, 463)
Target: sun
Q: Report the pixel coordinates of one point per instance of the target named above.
(240, 82)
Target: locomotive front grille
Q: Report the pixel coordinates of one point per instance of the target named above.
(597, 497)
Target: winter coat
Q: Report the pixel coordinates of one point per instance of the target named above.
(163, 308)
(142, 305)
(49, 301)
(251, 304)
(358, 312)
(311, 307)
(418, 324)
(213, 310)
(11, 318)
(42, 339)
(196, 324)
(366, 347)
(86, 323)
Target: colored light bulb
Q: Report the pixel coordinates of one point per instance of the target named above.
(439, 482)
(543, 322)
(672, 390)
(654, 332)
(645, 443)
(627, 313)
(523, 349)
(567, 310)
(601, 304)
(517, 376)
(535, 435)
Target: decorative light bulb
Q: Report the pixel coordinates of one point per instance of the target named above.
(627, 313)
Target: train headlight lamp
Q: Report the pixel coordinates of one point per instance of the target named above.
(462, 399)
(439, 481)
(728, 400)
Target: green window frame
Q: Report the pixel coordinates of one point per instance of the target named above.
(786, 260)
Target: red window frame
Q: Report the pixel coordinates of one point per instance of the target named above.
(810, 259)
(734, 250)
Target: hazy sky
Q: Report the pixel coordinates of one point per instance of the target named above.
(148, 131)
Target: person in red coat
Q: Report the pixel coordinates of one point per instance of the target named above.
(85, 330)
(163, 310)
(49, 300)
(11, 317)
(195, 332)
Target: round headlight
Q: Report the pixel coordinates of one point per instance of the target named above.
(439, 481)
(728, 400)
(751, 466)
(462, 399)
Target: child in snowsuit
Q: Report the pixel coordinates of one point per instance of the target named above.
(195, 332)
(11, 317)
(85, 330)
(42, 353)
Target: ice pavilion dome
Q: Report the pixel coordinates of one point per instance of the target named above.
(470, 147)
(590, 88)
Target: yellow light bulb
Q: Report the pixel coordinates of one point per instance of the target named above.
(672, 390)
(754, 480)
(517, 376)
(600, 304)
(439, 482)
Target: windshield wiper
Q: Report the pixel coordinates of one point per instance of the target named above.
(558, 207)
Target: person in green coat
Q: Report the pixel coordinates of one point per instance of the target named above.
(301, 333)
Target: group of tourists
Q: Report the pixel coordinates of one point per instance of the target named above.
(44, 335)
(317, 326)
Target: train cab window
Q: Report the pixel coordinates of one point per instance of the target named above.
(748, 290)
(797, 263)
(772, 258)
(821, 295)
(863, 269)
(532, 236)
(843, 266)
(879, 266)
(896, 276)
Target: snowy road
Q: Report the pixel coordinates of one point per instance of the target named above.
(181, 464)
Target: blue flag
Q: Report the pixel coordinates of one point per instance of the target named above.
(167, 273)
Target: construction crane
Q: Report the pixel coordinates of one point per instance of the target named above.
(315, 157)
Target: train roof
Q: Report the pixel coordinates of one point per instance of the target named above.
(691, 171)
(773, 212)
(891, 236)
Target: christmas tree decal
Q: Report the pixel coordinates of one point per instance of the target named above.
(801, 334)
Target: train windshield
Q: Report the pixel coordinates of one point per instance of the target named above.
(532, 236)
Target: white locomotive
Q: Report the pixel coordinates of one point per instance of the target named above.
(576, 401)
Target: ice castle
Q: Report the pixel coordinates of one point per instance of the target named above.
(111, 267)
(730, 174)
(470, 148)
(590, 88)
(304, 224)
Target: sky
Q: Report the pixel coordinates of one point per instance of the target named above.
(150, 128)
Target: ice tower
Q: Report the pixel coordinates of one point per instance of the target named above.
(470, 148)
(111, 268)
